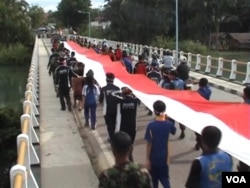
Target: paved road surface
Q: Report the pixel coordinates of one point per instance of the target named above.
(182, 152)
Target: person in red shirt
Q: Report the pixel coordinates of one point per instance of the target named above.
(118, 53)
(140, 67)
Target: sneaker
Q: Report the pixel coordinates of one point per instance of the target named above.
(63, 109)
(92, 128)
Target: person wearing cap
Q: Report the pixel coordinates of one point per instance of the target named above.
(126, 112)
(109, 103)
(124, 173)
(157, 136)
(206, 170)
(63, 82)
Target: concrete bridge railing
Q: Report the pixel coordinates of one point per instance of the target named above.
(230, 70)
(21, 175)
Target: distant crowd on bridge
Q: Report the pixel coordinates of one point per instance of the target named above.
(119, 110)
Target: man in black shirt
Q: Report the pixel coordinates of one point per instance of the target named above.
(126, 113)
(109, 104)
(62, 81)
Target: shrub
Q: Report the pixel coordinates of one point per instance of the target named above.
(9, 129)
(15, 54)
(185, 45)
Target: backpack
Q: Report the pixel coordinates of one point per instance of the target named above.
(91, 96)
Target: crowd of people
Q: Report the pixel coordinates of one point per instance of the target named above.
(120, 114)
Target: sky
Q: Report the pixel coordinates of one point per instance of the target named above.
(52, 4)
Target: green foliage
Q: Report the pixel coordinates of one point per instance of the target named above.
(9, 129)
(37, 16)
(14, 23)
(185, 45)
(140, 21)
(137, 21)
(15, 54)
(68, 12)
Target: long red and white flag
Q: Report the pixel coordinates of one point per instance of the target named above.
(186, 107)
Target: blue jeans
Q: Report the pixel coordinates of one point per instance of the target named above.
(90, 110)
(160, 173)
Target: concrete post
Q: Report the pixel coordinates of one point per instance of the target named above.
(220, 67)
(198, 62)
(189, 59)
(247, 79)
(208, 66)
(233, 70)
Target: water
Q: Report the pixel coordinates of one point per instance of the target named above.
(13, 81)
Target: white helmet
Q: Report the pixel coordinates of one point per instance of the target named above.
(183, 58)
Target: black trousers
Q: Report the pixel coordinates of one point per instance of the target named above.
(64, 93)
(110, 120)
(132, 134)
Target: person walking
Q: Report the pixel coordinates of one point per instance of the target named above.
(109, 104)
(126, 113)
(77, 85)
(63, 76)
(206, 170)
(125, 173)
(90, 93)
(157, 135)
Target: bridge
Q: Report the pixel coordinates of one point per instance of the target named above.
(56, 150)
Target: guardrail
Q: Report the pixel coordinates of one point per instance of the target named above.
(21, 175)
(230, 70)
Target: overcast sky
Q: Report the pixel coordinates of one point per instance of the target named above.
(52, 4)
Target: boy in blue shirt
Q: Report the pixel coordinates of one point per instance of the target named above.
(205, 91)
(206, 170)
(157, 135)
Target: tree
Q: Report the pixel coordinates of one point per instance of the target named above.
(37, 16)
(14, 22)
(9, 129)
(138, 21)
(68, 12)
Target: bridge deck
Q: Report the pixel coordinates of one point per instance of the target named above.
(64, 162)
